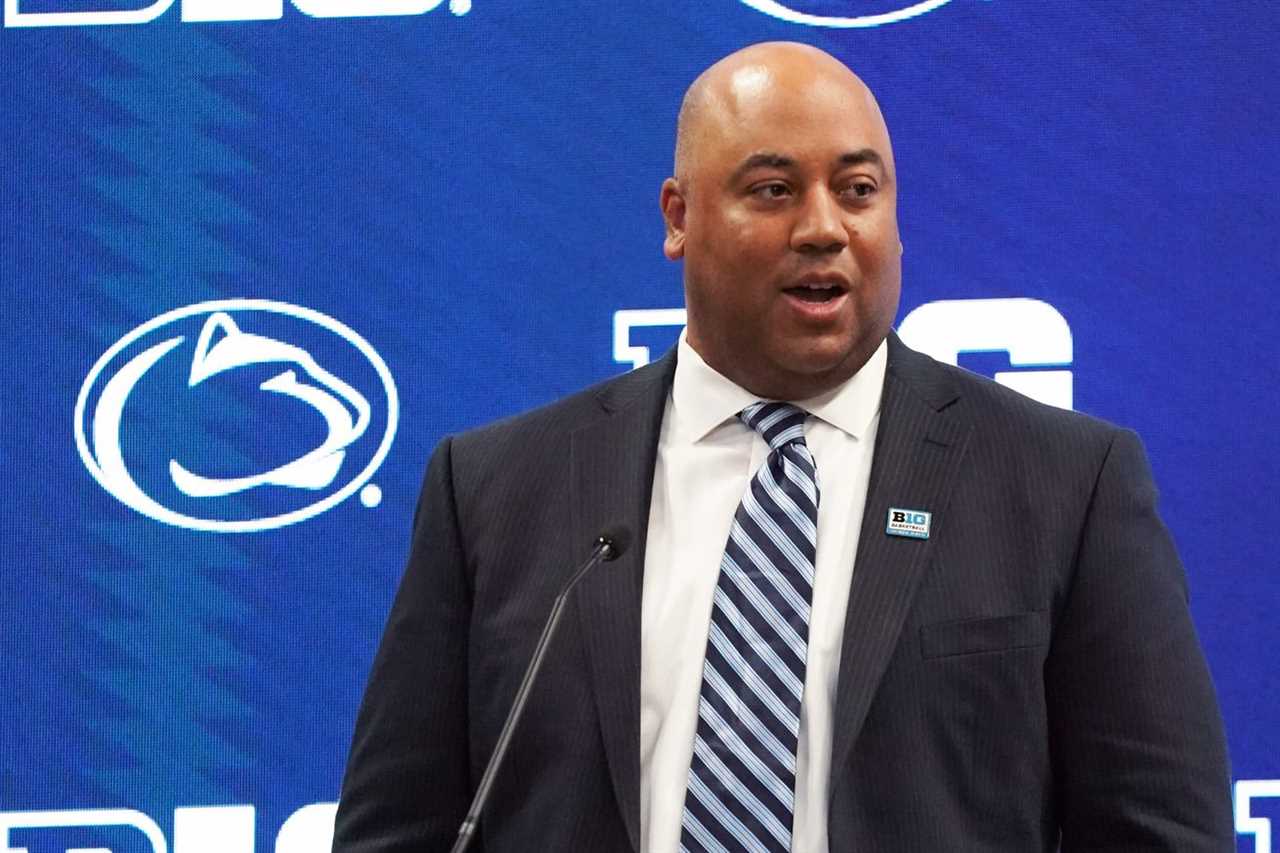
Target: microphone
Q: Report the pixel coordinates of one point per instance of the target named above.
(608, 546)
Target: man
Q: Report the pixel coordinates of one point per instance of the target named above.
(913, 611)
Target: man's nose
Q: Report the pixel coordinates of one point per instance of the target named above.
(820, 226)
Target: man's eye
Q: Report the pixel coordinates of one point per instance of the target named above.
(862, 189)
(771, 191)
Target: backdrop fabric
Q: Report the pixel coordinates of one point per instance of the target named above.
(259, 257)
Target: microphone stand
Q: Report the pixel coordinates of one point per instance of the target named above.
(605, 549)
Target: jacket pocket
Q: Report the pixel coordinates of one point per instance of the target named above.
(994, 634)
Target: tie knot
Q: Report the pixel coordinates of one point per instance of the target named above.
(779, 424)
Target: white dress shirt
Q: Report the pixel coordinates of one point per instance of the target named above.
(706, 457)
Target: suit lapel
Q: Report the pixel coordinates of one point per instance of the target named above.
(919, 446)
(612, 461)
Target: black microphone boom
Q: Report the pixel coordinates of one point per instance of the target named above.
(608, 546)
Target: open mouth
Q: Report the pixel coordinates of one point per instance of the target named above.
(815, 292)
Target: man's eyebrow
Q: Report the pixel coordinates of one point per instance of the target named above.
(765, 159)
(862, 156)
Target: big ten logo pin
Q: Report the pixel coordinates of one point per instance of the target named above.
(911, 523)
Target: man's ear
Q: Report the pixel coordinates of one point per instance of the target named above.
(673, 212)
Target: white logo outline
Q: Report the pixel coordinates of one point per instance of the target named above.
(138, 500)
(1247, 791)
(196, 11)
(776, 9)
(1033, 332)
(196, 829)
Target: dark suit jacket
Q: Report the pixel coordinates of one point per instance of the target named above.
(1028, 676)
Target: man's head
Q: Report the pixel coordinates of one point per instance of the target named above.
(784, 209)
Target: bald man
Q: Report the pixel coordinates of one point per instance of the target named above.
(873, 603)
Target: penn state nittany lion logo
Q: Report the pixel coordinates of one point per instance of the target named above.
(234, 348)
(224, 347)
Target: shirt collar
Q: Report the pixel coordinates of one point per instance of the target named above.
(703, 399)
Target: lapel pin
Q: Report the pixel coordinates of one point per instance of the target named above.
(912, 523)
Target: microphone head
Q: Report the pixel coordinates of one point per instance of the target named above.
(614, 539)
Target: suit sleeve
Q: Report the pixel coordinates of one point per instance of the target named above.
(1136, 735)
(407, 784)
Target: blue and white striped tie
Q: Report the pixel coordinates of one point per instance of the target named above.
(741, 793)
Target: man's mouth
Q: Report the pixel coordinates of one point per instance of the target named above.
(817, 292)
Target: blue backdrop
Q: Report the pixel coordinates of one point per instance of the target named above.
(253, 270)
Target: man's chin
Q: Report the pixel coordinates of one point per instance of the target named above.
(822, 358)
(796, 378)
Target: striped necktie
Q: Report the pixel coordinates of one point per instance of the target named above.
(741, 790)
